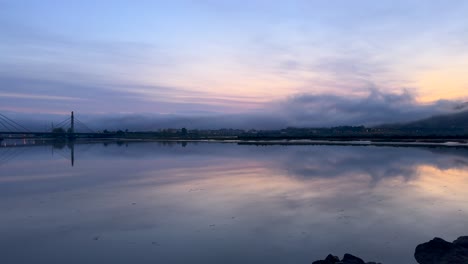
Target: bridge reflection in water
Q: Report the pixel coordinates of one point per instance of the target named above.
(13, 148)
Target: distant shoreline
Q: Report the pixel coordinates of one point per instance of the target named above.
(437, 142)
(357, 143)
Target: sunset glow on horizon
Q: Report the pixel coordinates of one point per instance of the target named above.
(229, 57)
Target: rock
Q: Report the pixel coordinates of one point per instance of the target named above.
(350, 259)
(439, 251)
(330, 259)
(347, 259)
(462, 241)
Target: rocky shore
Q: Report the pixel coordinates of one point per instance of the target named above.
(347, 259)
(436, 251)
(442, 252)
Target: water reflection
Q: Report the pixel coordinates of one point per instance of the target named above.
(213, 202)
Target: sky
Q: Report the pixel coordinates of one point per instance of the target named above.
(241, 64)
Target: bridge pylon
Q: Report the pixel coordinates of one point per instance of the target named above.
(72, 127)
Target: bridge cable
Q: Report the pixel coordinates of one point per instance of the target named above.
(85, 126)
(59, 151)
(15, 123)
(7, 128)
(8, 154)
(14, 154)
(11, 127)
(63, 123)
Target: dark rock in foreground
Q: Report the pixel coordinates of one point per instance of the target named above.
(347, 259)
(439, 251)
(436, 251)
(462, 241)
(350, 259)
(330, 259)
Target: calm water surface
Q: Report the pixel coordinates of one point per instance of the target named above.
(227, 203)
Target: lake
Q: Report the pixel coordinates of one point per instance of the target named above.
(211, 202)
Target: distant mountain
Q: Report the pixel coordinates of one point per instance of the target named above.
(458, 120)
(442, 124)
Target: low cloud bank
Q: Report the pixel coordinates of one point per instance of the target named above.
(376, 108)
(304, 110)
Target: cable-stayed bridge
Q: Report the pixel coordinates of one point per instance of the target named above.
(69, 128)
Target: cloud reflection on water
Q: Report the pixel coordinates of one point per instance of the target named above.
(213, 202)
